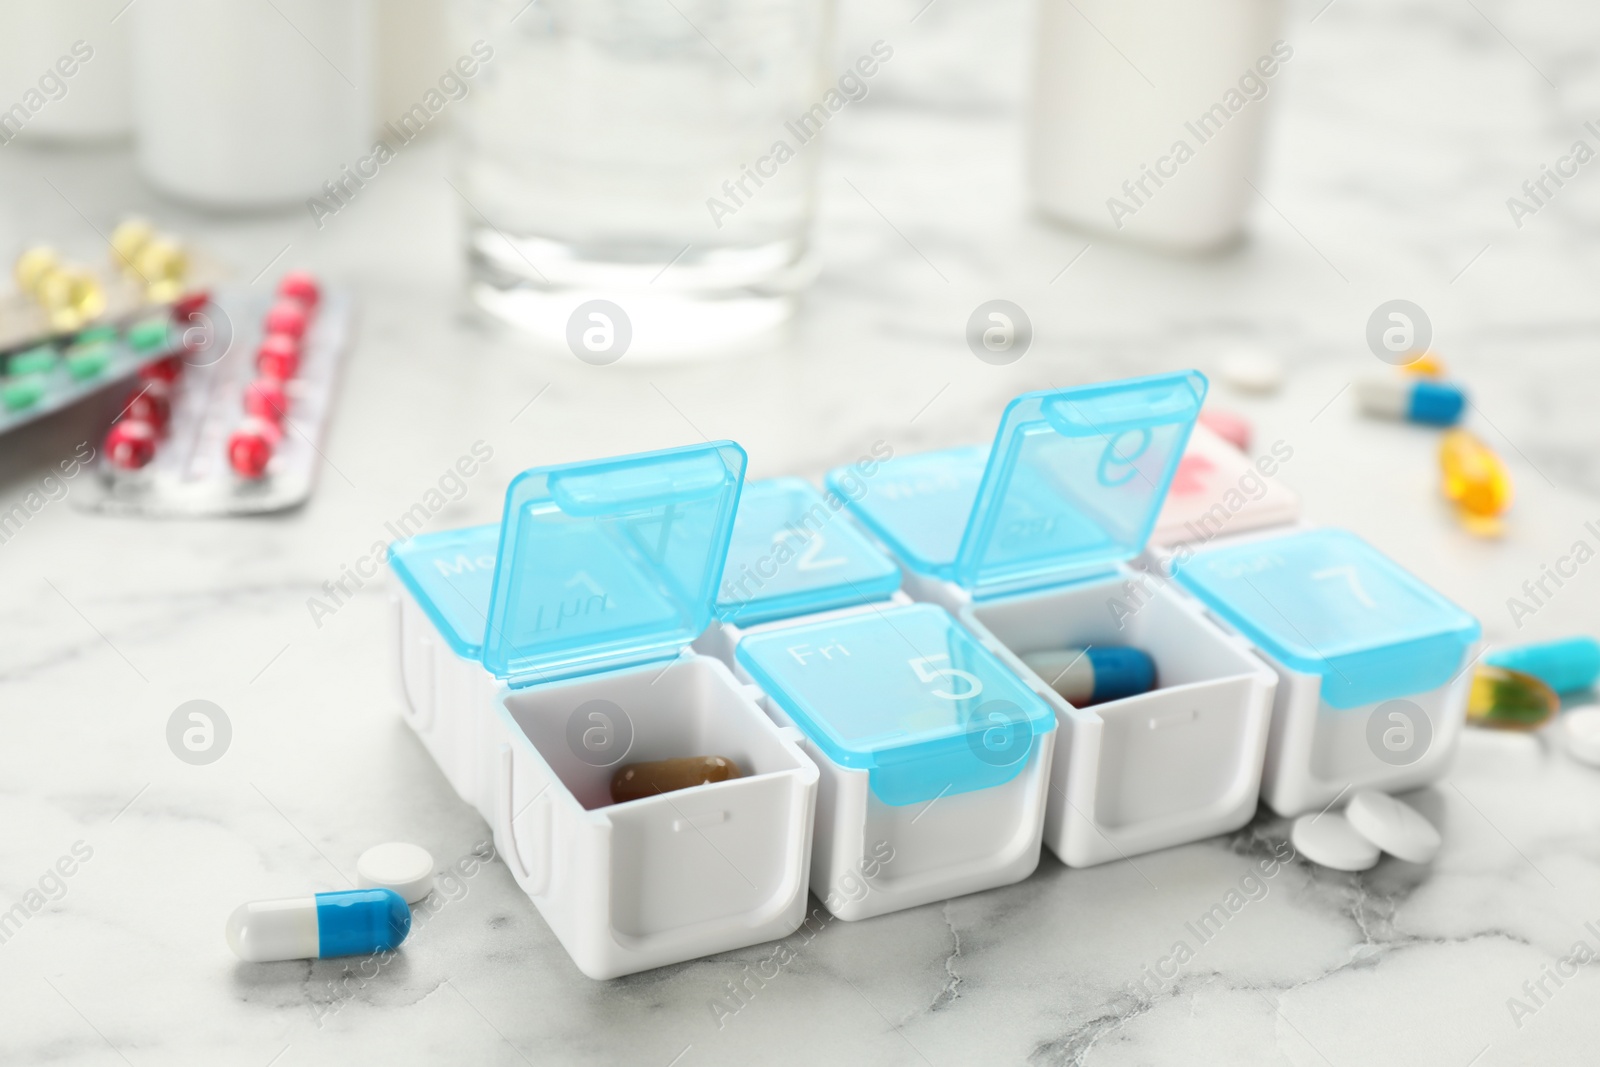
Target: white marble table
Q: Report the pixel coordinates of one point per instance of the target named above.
(1402, 129)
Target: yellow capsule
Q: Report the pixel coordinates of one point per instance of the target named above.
(33, 265)
(161, 260)
(1510, 700)
(72, 296)
(1474, 478)
(130, 236)
(1426, 365)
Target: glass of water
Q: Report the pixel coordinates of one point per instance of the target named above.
(632, 174)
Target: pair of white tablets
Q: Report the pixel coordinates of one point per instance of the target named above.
(1370, 824)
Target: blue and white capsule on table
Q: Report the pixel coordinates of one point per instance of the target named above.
(354, 922)
(541, 653)
(1029, 543)
(1410, 398)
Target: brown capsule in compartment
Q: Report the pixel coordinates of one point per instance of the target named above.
(635, 781)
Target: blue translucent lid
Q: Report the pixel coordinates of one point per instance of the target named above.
(449, 574)
(1073, 483)
(611, 562)
(1326, 602)
(905, 693)
(793, 552)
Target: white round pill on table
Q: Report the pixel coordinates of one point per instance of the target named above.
(1582, 728)
(1330, 840)
(407, 869)
(1394, 826)
(1252, 370)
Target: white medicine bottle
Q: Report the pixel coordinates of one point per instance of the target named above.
(249, 105)
(1147, 115)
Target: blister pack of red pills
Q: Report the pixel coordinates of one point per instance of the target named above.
(232, 425)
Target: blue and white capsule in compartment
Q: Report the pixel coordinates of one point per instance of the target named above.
(355, 922)
(1095, 675)
(1411, 399)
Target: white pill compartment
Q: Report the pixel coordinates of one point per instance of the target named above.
(1179, 762)
(540, 655)
(1028, 543)
(1374, 666)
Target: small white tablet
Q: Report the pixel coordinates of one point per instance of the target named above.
(407, 869)
(1252, 370)
(1394, 826)
(1330, 840)
(1582, 728)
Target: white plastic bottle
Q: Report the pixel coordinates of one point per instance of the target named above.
(1148, 115)
(242, 105)
(64, 72)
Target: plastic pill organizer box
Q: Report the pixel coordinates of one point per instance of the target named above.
(934, 755)
(1028, 543)
(904, 731)
(538, 654)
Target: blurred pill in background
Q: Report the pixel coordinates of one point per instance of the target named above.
(1473, 477)
(1510, 700)
(130, 443)
(278, 356)
(1252, 370)
(1411, 399)
(1567, 665)
(1234, 429)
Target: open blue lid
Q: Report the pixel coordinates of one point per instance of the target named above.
(794, 551)
(1326, 602)
(1073, 483)
(612, 562)
(449, 573)
(905, 693)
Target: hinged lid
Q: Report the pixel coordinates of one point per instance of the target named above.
(1073, 484)
(610, 563)
(1326, 602)
(449, 573)
(794, 551)
(904, 693)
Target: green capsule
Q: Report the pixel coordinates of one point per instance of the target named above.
(95, 335)
(19, 393)
(33, 361)
(149, 335)
(1510, 700)
(86, 361)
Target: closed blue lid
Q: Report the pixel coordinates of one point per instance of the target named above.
(906, 694)
(1326, 602)
(1073, 483)
(449, 573)
(794, 551)
(610, 563)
